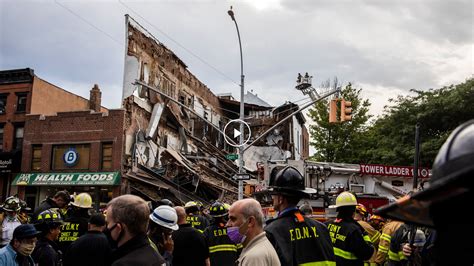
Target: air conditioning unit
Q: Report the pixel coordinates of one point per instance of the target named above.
(357, 188)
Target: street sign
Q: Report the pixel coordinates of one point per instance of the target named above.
(232, 156)
(239, 177)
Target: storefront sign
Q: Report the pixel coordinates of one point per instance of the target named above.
(10, 162)
(391, 170)
(68, 179)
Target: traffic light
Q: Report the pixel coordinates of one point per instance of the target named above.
(346, 111)
(333, 111)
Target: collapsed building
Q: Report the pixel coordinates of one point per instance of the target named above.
(174, 144)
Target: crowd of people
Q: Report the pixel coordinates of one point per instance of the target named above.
(64, 230)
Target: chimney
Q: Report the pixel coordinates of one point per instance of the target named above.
(95, 98)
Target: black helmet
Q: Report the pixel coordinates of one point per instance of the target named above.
(288, 181)
(218, 209)
(165, 202)
(24, 206)
(452, 178)
(50, 216)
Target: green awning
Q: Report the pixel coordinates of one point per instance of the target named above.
(68, 179)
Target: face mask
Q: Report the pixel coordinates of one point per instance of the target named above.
(234, 234)
(26, 249)
(108, 233)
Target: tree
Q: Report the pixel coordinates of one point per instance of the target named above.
(391, 139)
(340, 142)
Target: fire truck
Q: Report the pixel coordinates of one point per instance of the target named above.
(374, 185)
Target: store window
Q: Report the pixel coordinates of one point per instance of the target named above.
(3, 103)
(18, 141)
(36, 158)
(74, 156)
(21, 102)
(107, 156)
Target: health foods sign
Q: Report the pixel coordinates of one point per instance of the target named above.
(68, 179)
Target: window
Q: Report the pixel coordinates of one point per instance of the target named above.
(18, 142)
(106, 156)
(36, 158)
(1, 137)
(74, 156)
(21, 102)
(3, 103)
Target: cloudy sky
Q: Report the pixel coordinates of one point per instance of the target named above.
(384, 47)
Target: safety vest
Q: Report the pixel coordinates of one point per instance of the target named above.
(299, 240)
(222, 251)
(351, 243)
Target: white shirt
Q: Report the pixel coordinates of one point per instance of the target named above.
(8, 226)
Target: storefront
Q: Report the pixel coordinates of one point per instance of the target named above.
(35, 187)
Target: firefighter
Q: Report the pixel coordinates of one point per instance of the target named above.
(9, 220)
(384, 244)
(297, 239)
(351, 243)
(194, 218)
(450, 193)
(77, 222)
(23, 214)
(399, 238)
(360, 217)
(47, 252)
(377, 222)
(222, 251)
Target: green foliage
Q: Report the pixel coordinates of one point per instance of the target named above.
(339, 142)
(438, 112)
(390, 139)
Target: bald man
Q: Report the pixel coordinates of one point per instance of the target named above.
(245, 226)
(190, 246)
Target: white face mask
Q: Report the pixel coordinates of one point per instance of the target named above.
(26, 249)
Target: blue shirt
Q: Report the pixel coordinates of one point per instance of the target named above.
(8, 256)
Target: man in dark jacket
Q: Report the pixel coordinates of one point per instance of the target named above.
(91, 249)
(190, 247)
(297, 239)
(352, 244)
(60, 200)
(127, 223)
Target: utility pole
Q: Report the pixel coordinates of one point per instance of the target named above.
(241, 117)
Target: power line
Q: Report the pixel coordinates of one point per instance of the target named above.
(177, 43)
(89, 23)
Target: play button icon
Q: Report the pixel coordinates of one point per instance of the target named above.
(232, 133)
(236, 133)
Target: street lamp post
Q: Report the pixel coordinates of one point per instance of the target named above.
(241, 117)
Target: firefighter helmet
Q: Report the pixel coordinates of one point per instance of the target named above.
(218, 209)
(288, 181)
(83, 200)
(345, 199)
(12, 204)
(50, 216)
(165, 216)
(190, 204)
(227, 206)
(361, 209)
(24, 206)
(165, 202)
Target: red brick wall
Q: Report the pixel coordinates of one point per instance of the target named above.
(74, 128)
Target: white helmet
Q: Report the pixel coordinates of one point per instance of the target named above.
(165, 216)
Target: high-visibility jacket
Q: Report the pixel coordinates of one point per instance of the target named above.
(299, 240)
(72, 228)
(395, 253)
(351, 243)
(222, 251)
(198, 221)
(374, 238)
(385, 239)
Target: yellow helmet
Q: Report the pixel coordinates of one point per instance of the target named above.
(190, 204)
(345, 199)
(83, 200)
